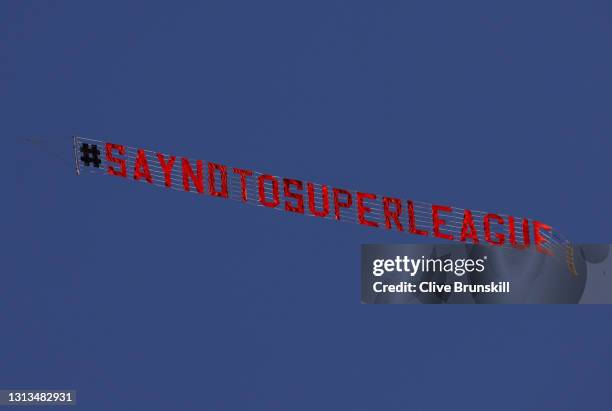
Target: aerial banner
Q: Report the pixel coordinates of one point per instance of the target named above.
(292, 195)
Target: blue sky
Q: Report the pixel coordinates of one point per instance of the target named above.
(143, 298)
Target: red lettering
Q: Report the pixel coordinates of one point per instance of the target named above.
(362, 209)
(211, 180)
(198, 180)
(500, 238)
(311, 201)
(512, 233)
(299, 207)
(540, 239)
(341, 204)
(243, 184)
(397, 205)
(262, 193)
(468, 224)
(412, 228)
(166, 168)
(141, 167)
(438, 222)
(119, 161)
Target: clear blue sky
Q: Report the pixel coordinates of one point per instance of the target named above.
(142, 298)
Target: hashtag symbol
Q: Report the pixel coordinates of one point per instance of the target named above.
(90, 155)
